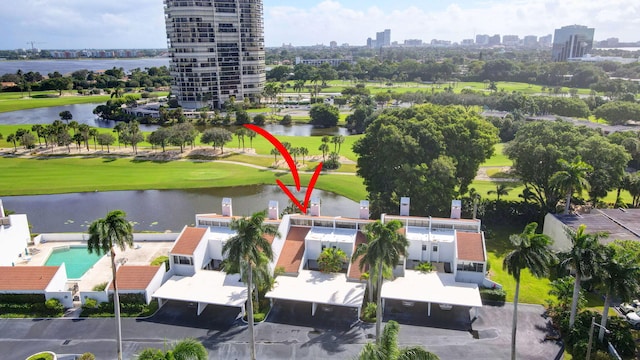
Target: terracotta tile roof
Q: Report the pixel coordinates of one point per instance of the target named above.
(291, 255)
(20, 278)
(132, 277)
(188, 241)
(268, 237)
(354, 271)
(470, 246)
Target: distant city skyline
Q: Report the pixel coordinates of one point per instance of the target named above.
(78, 24)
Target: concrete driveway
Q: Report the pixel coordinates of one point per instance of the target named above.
(289, 333)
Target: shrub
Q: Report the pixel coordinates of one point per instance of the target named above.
(162, 259)
(53, 305)
(100, 287)
(425, 267)
(22, 298)
(87, 356)
(259, 119)
(493, 295)
(369, 313)
(90, 304)
(259, 317)
(286, 120)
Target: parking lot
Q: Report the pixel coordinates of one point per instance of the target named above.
(290, 332)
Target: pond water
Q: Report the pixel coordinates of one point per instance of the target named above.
(158, 210)
(83, 114)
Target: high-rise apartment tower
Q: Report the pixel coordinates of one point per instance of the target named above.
(217, 50)
(572, 41)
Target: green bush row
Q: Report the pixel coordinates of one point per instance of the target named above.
(493, 295)
(22, 298)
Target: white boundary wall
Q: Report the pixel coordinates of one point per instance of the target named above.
(139, 237)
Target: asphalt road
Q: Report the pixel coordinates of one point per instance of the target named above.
(290, 332)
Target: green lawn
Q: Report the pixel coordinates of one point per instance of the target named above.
(498, 158)
(13, 101)
(64, 175)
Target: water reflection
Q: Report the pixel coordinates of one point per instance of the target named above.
(158, 210)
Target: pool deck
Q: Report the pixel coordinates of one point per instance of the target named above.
(141, 254)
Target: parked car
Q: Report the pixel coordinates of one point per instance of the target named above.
(633, 318)
(632, 306)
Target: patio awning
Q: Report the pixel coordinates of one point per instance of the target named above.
(319, 288)
(206, 287)
(433, 287)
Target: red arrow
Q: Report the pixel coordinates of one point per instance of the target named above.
(294, 169)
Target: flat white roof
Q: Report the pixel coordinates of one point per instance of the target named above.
(432, 287)
(419, 233)
(331, 235)
(316, 287)
(220, 233)
(209, 287)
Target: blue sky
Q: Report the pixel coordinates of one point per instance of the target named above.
(56, 24)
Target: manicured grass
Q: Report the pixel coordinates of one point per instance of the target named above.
(498, 174)
(14, 101)
(263, 146)
(64, 175)
(498, 158)
(532, 289)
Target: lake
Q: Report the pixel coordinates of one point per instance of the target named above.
(158, 210)
(83, 114)
(68, 66)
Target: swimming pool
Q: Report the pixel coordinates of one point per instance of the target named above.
(76, 259)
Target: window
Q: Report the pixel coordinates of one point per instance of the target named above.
(424, 247)
(434, 248)
(182, 260)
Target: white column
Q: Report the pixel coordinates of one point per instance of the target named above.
(428, 309)
(201, 307)
(314, 306)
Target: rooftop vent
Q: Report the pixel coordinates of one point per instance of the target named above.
(404, 206)
(227, 208)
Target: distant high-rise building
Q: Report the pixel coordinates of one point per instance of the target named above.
(371, 43)
(573, 41)
(413, 42)
(511, 40)
(545, 41)
(467, 42)
(482, 39)
(383, 38)
(333, 44)
(216, 49)
(530, 41)
(494, 40)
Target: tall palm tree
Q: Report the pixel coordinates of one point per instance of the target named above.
(501, 189)
(325, 149)
(572, 178)
(387, 348)
(261, 274)
(618, 277)
(384, 246)
(244, 249)
(104, 234)
(531, 252)
(304, 152)
(583, 258)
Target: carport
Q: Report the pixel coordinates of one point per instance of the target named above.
(204, 288)
(433, 287)
(319, 288)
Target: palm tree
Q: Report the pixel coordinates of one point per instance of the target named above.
(104, 234)
(275, 152)
(12, 138)
(93, 132)
(618, 277)
(261, 274)
(572, 178)
(244, 249)
(331, 260)
(251, 134)
(337, 142)
(531, 252)
(384, 246)
(304, 152)
(583, 258)
(387, 349)
(325, 149)
(501, 189)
